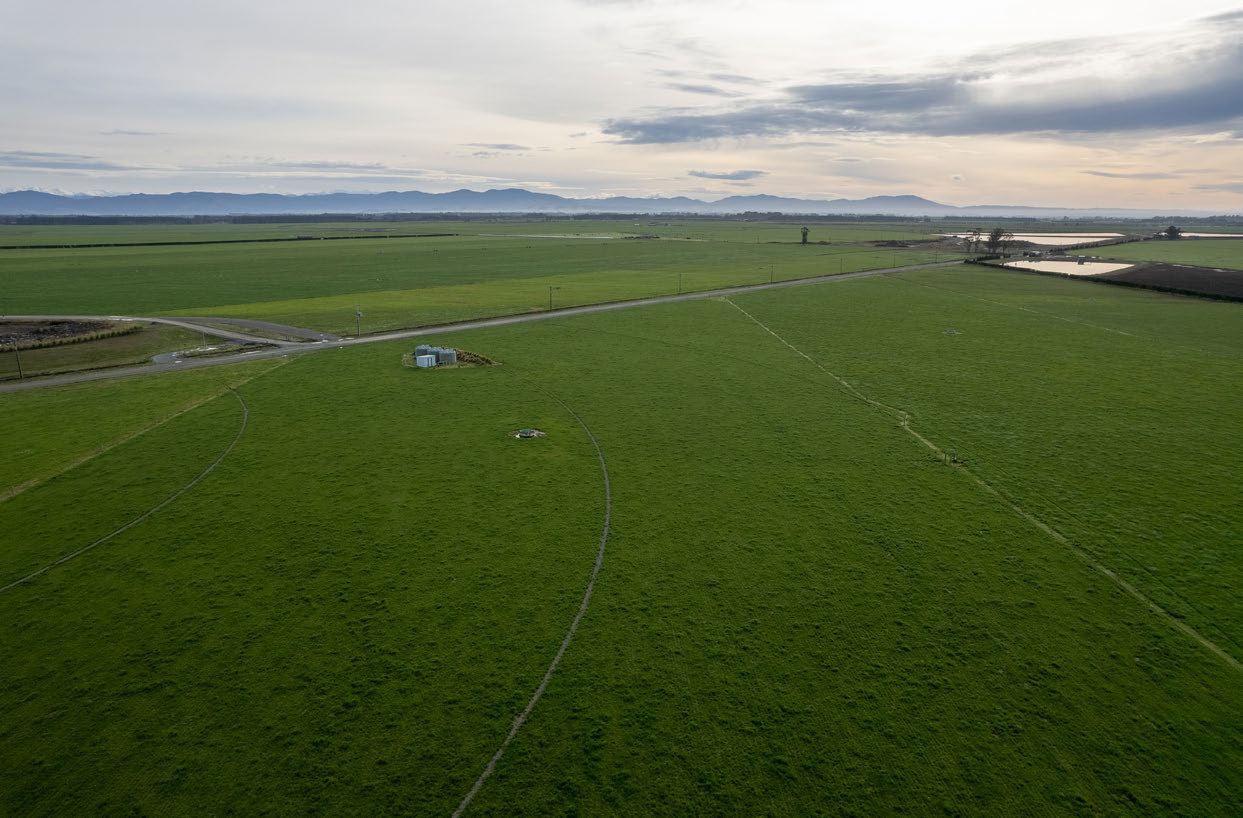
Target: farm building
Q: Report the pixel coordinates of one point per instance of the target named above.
(429, 356)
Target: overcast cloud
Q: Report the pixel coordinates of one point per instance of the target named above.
(1060, 104)
(1071, 87)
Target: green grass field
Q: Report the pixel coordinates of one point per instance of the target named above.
(50, 430)
(411, 282)
(802, 611)
(121, 350)
(666, 227)
(20, 235)
(1226, 253)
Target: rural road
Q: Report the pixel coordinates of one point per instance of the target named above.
(279, 329)
(278, 349)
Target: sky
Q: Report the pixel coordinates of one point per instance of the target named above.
(1135, 104)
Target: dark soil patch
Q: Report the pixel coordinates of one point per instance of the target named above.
(465, 356)
(1178, 278)
(36, 333)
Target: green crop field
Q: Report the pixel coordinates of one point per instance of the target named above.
(21, 235)
(802, 609)
(1227, 253)
(673, 228)
(411, 282)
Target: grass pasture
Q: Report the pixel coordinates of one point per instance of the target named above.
(120, 350)
(12, 235)
(1226, 253)
(801, 610)
(410, 282)
(51, 430)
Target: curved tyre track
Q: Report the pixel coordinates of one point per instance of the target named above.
(521, 718)
(149, 512)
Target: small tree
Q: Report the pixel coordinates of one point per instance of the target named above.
(1173, 232)
(973, 238)
(997, 239)
(805, 232)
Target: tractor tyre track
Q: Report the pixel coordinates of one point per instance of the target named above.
(521, 718)
(140, 518)
(904, 421)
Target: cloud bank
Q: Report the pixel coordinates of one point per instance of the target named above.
(731, 175)
(1082, 86)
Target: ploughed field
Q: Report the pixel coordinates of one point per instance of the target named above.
(803, 609)
(1211, 281)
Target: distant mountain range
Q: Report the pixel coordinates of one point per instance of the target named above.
(510, 200)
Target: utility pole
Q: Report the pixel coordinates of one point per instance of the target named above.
(770, 268)
(358, 320)
(679, 283)
(17, 350)
(550, 289)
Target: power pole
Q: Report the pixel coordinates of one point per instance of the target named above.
(358, 320)
(17, 351)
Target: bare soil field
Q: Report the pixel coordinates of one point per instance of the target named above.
(1180, 278)
(27, 333)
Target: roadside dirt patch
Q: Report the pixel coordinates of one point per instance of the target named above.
(28, 334)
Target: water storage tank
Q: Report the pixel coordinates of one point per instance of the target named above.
(422, 349)
(425, 360)
(446, 357)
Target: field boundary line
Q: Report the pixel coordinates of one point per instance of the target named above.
(453, 326)
(904, 421)
(140, 518)
(10, 493)
(521, 718)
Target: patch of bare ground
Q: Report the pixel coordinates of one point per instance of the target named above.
(1213, 282)
(40, 334)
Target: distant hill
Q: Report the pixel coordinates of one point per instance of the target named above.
(508, 200)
